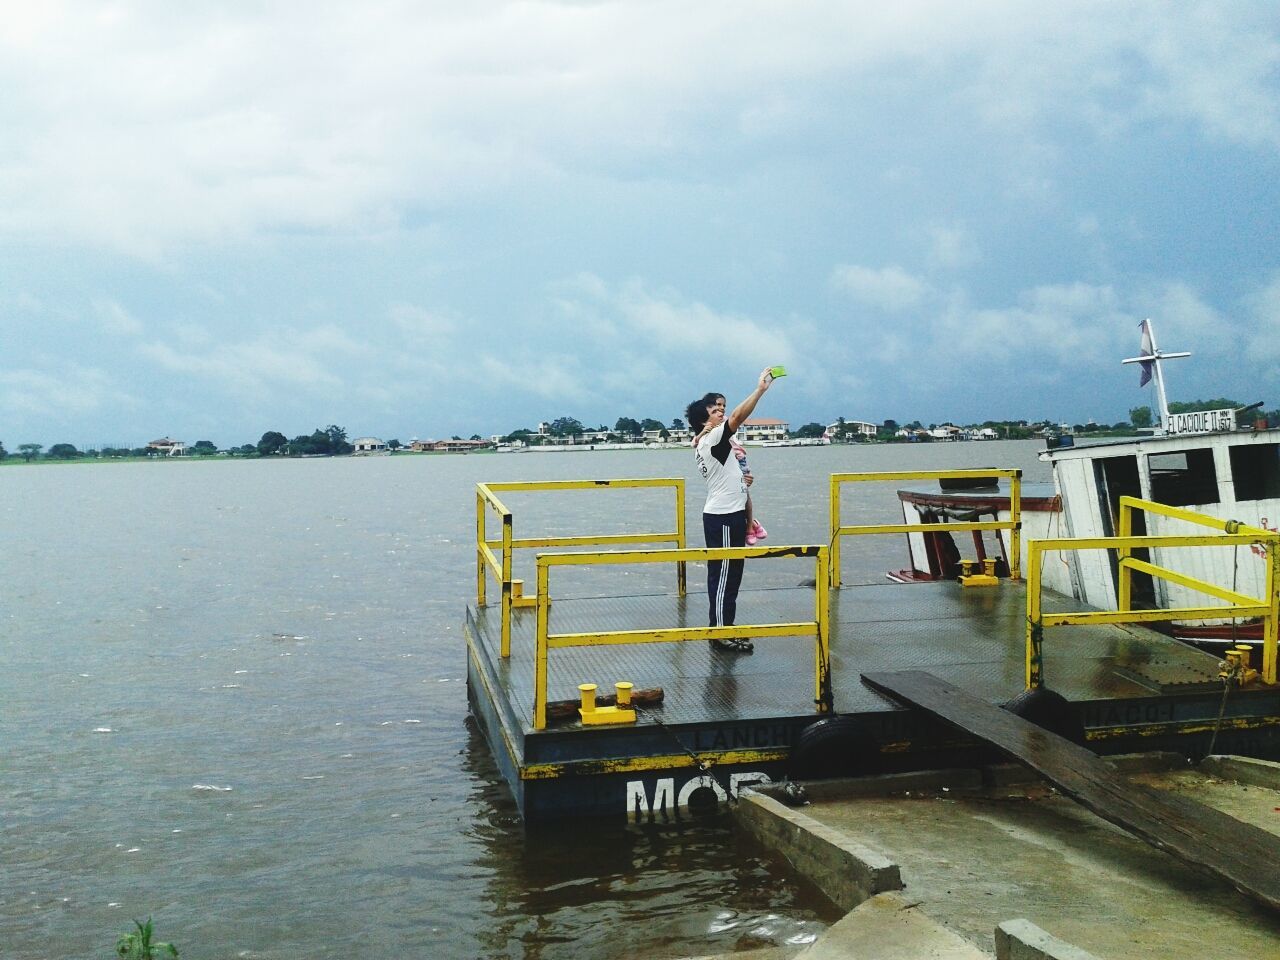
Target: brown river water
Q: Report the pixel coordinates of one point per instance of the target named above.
(233, 699)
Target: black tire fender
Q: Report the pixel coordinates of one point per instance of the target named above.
(1050, 711)
(829, 748)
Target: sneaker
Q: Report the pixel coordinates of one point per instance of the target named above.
(751, 539)
(734, 645)
(757, 531)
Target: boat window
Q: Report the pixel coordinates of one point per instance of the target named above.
(1184, 478)
(1255, 471)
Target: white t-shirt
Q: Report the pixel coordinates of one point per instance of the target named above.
(726, 484)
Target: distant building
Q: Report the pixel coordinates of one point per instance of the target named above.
(366, 446)
(450, 446)
(764, 429)
(166, 447)
(673, 436)
(858, 427)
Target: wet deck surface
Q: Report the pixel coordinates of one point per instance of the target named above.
(973, 638)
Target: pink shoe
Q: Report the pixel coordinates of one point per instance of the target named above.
(751, 539)
(757, 531)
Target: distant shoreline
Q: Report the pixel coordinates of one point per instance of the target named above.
(17, 460)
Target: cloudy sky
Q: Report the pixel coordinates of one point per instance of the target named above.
(426, 219)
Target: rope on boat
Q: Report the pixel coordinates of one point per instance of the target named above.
(1226, 680)
(702, 765)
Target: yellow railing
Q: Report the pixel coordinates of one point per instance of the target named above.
(500, 563)
(817, 628)
(1233, 533)
(1013, 524)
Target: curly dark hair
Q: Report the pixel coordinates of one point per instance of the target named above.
(696, 412)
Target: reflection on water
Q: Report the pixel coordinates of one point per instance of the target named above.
(644, 890)
(233, 699)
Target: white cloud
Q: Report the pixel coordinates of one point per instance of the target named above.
(1181, 315)
(1264, 316)
(663, 323)
(69, 390)
(116, 320)
(666, 322)
(270, 364)
(952, 246)
(888, 288)
(419, 323)
(1215, 64)
(145, 125)
(550, 377)
(1069, 325)
(1049, 332)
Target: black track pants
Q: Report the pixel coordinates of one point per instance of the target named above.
(724, 577)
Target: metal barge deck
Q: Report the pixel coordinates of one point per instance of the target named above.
(728, 720)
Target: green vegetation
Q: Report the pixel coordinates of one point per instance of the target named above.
(272, 442)
(1220, 403)
(332, 440)
(140, 946)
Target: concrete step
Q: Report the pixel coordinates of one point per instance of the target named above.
(889, 927)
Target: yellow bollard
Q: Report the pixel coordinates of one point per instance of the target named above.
(624, 693)
(969, 576)
(1247, 673)
(592, 715)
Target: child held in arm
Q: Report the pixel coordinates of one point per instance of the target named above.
(755, 532)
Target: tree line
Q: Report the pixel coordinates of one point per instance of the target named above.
(624, 428)
(332, 440)
(328, 442)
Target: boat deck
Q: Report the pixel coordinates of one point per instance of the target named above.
(972, 638)
(1135, 688)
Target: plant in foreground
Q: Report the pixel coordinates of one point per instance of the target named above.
(138, 946)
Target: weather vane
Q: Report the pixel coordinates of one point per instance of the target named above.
(1150, 360)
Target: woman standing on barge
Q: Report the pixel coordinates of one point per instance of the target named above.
(724, 517)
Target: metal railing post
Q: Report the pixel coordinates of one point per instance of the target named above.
(1015, 533)
(481, 576)
(822, 616)
(1271, 623)
(1035, 630)
(540, 646)
(506, 585)
(834, 539)
(681, 572)
(1124, 589)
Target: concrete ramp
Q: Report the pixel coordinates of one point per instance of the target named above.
(888, 927)
(1240, 853)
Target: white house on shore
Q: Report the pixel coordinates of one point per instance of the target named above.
(449, 446)
(368, 446)
(853, 428)
(166, 447)
(763, 429)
